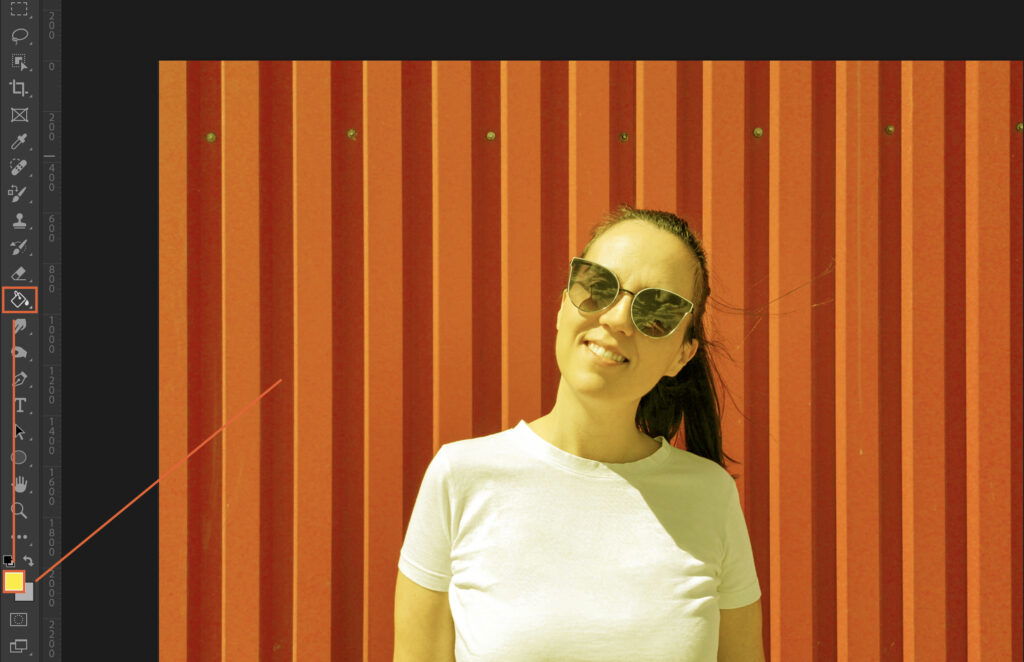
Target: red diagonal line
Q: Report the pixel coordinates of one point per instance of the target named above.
(258, 398)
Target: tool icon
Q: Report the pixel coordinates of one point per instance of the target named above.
(19, 509)
(20, 378)
(20, 484)
(19, 224)
(20, 432)
(19, 274)
(18, 88)
(18, 60)
(19, 457)
(19, 8)
(19, 114)
(15, 192)
(19, 351)
(19, 300)
(19, 645)
(19, 141)
(19, 34)
(18, 247)
(28, 560)
(19, 619)
(17, 165)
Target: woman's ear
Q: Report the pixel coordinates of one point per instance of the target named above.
(686, 353)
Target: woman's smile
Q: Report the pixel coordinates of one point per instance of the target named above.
(596, 354)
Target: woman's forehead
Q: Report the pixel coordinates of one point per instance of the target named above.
(642, 255)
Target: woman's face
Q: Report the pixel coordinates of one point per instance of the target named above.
(640, 255)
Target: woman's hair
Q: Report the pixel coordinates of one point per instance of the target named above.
(689, 397)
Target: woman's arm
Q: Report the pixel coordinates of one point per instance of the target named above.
(424, 630)
(739, 634)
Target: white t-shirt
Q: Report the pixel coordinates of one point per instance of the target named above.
(546, 555)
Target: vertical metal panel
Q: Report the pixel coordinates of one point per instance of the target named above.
(485, 175)
(858, 533)
(1016, 156)
(554, 203)
(347, 584)
(722, 230)
(521, 318)
(924, 303)
(589, 159)
(173, 350)
(277, 361)
(989, 468)
(453, 236)
(203, 385)
(384, 347)
(753, 447)
(311, 392)
(789, 360)
(656, 135)
(874, 412)
(417, 288)
(240, 266)
(622, 133)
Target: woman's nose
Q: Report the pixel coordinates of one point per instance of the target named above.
(618, 315)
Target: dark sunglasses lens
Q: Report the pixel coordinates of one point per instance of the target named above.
(591, 287)
(658, 312)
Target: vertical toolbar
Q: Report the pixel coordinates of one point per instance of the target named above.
(30, 329)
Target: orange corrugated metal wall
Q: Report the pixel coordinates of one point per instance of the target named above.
(390, 239)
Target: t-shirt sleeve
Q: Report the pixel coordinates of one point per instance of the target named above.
(425, 557)
(738, 585)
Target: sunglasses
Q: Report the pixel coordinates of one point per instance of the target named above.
(656, 313)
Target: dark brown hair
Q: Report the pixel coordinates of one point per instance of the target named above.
(690, 398)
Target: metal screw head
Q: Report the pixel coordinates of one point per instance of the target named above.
(491, 135)
(1020, 127)
(623, 136)
(211, 137)
(351, 134)
(890, 129)
(758, 132)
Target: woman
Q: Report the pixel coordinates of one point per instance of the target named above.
(584, 535)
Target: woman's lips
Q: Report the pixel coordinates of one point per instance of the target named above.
(600, 360)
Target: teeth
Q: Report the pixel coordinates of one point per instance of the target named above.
(604, 353)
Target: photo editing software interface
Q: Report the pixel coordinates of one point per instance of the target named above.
(31, 330)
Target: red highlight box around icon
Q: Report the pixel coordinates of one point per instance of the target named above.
(34, 311)
(14, 581)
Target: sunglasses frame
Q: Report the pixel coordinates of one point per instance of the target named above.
(632, 306)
